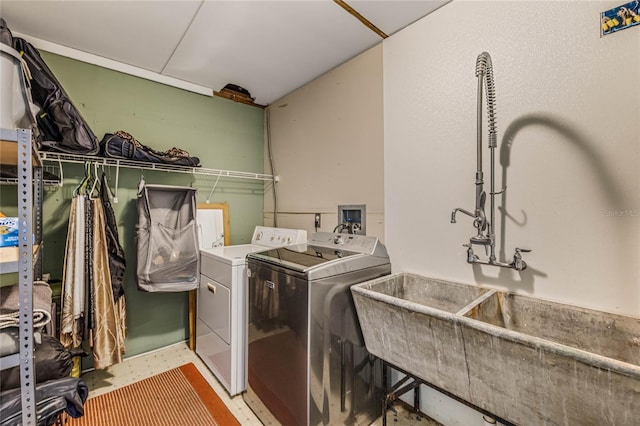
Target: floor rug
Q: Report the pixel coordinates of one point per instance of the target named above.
(177, 397)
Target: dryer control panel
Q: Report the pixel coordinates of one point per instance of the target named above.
(277, 237)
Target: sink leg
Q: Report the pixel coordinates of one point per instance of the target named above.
(384, 393)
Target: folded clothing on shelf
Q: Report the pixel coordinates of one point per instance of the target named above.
(9, 305)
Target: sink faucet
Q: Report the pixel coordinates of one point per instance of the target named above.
(485, 229)
(456, 210)
(479, 222)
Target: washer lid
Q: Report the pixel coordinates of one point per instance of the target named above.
(302, 257)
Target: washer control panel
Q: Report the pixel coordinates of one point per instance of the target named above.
(352, 242)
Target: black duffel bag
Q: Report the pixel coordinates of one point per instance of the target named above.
(122, 145)
(51, 361)
(51, 399)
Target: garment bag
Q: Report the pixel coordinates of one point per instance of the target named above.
(168, 255)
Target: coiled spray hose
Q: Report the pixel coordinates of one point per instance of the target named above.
(484, 71)
(484, 68)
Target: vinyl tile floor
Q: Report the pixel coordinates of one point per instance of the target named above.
(143, 366)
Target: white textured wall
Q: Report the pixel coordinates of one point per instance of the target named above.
(327, 141)
(568, 102)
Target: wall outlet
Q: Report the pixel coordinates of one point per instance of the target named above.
(317, 220)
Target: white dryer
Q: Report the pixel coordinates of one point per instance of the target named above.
(222, 324)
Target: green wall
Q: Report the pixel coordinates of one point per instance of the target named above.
(223, 134)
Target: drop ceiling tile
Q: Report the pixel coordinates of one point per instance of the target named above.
(268, 47)
(140, 33)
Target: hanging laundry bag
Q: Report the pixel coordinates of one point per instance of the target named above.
(168, 256)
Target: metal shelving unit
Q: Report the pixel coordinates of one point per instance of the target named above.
(16, 148)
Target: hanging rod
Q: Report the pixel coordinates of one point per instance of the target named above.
(138, 165)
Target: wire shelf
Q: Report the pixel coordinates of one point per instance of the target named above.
(139, 165)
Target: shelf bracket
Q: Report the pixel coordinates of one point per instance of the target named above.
(115, 190)
(61, 183)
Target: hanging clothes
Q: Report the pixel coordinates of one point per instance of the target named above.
(73, 278)
(88, 267)
(92, 308)
(109, 328)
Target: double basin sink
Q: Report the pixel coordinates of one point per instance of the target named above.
(524, 359)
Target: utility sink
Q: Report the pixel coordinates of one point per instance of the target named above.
(556, 363)
(600, 333)
(524, 359)
(428, 292)
(410, 321)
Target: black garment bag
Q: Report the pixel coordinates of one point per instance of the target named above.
(60, 124)
(117, 262)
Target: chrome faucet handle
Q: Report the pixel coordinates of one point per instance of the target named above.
(521, 250)
(471, 257)
(518, 263)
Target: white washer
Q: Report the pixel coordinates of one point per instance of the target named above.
(222, 304)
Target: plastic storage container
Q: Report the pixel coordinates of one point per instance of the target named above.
(16, 108)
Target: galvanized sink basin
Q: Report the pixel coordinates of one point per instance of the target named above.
(524, 359)
(613, 336)
(410, 321)
(417, 290)
(557, 363)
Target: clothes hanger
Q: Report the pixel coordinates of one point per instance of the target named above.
(95, 181)
(87, 181)
(79, 190)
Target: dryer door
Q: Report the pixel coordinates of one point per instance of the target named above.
(214, 304)
(213, 329)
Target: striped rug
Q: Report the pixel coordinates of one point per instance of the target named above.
(177, 397)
